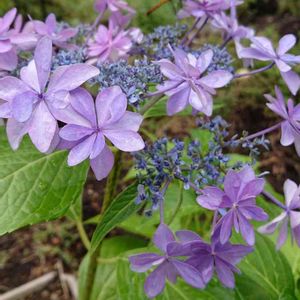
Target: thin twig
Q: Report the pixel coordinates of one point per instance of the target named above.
(157, 6)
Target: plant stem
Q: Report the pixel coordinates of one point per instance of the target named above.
(157, 6)
(272, 199)
(161, 203)
(111, 182)
(186, 36)
(268, 67)
(197, 32)
(226, 42)
(149, 104)
(262, 132)
(93, 255)
(83, 236)
(179, 202)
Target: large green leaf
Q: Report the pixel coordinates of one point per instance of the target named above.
(35, 187)
(269, 273)
(119, 210)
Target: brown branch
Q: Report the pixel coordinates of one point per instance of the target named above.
(157, 6)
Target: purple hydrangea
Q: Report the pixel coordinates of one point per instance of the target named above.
(8, 54)
(113, 5)
(291, 214)
(51, 30)
(200, 8)
(262, 49)
(290, 127)
(186, 83)
(110, 43)
(34, 103)
(238, 199)
(168, 266)
(214, 257)
(106, 118)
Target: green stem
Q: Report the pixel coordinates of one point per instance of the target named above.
(179, 202)
(110, 187)
(83, 236)
(149, 104)
(94, 255)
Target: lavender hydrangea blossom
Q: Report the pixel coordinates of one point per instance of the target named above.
(107, 118)
(240, 190)
(34, 103)
(8, 55)
(291, 214)
(290, 127)
(168, 266)
(186, 83)
(112, 5)
(262, 49)
(109, 43)
(214, 257)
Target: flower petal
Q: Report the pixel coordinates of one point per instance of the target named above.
(103, 163)
(15, 132)
(216, 79)
(286, 43)
(42, 127)
(10, 87)
(143, 262)
(125, 140)
(75, 132)
(22, 106)
(129, 121)
(162, 237)
(81, 151)
(211, 198)
(292, 80)
(155, 282)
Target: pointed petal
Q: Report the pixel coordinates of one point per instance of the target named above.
(283, 233)
(290, 189)
(162, 237)
(216, 79)
(204, 60)
(224, 273)
(129, 121)
(22, 106)
(211, 198)
(98, 145)
(246, 229)
(42, 127)
(292, 80)
(178, 101)
(71, 77)
(286, 43)
(125, 140)
(189, 274)
(187, 236)
(29, 76)
(226, 224)
(15, 132)
(143, 262)
(75, 132)
(270, 227)
(103, 163)
(10, 87)
(43, 60)
(155, 282)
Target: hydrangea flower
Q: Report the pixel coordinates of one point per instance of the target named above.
(231, 29)
(34, 102)
(51, 30)
(291, 214)
(200, 8)
(186, 83)
(290, 127)
(168, 266)
(107, 118)
(240, 190)
(109, 43)
(113, 5)
(8, 55)
(262, 49)
(214, 257)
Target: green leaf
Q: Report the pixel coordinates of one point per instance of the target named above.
(268, 273)
(105, 283)
(119, 210)
(35, 187)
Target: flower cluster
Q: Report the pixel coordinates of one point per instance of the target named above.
(134, 79)
(49, 71)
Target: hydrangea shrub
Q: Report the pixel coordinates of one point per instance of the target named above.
(78, 97)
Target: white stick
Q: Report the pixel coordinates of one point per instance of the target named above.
(29, 288)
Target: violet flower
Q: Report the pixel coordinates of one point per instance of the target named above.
(200, 8)
(107, 118)
(240, 190)
(214, 257)
(262, 49)
(109, 43)
(290, 127)
(33, 105)
(232, 30)
(112, 5)
(186, 83)
(8, 54)
(51, 30)
(168, 266)
(290, 215)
